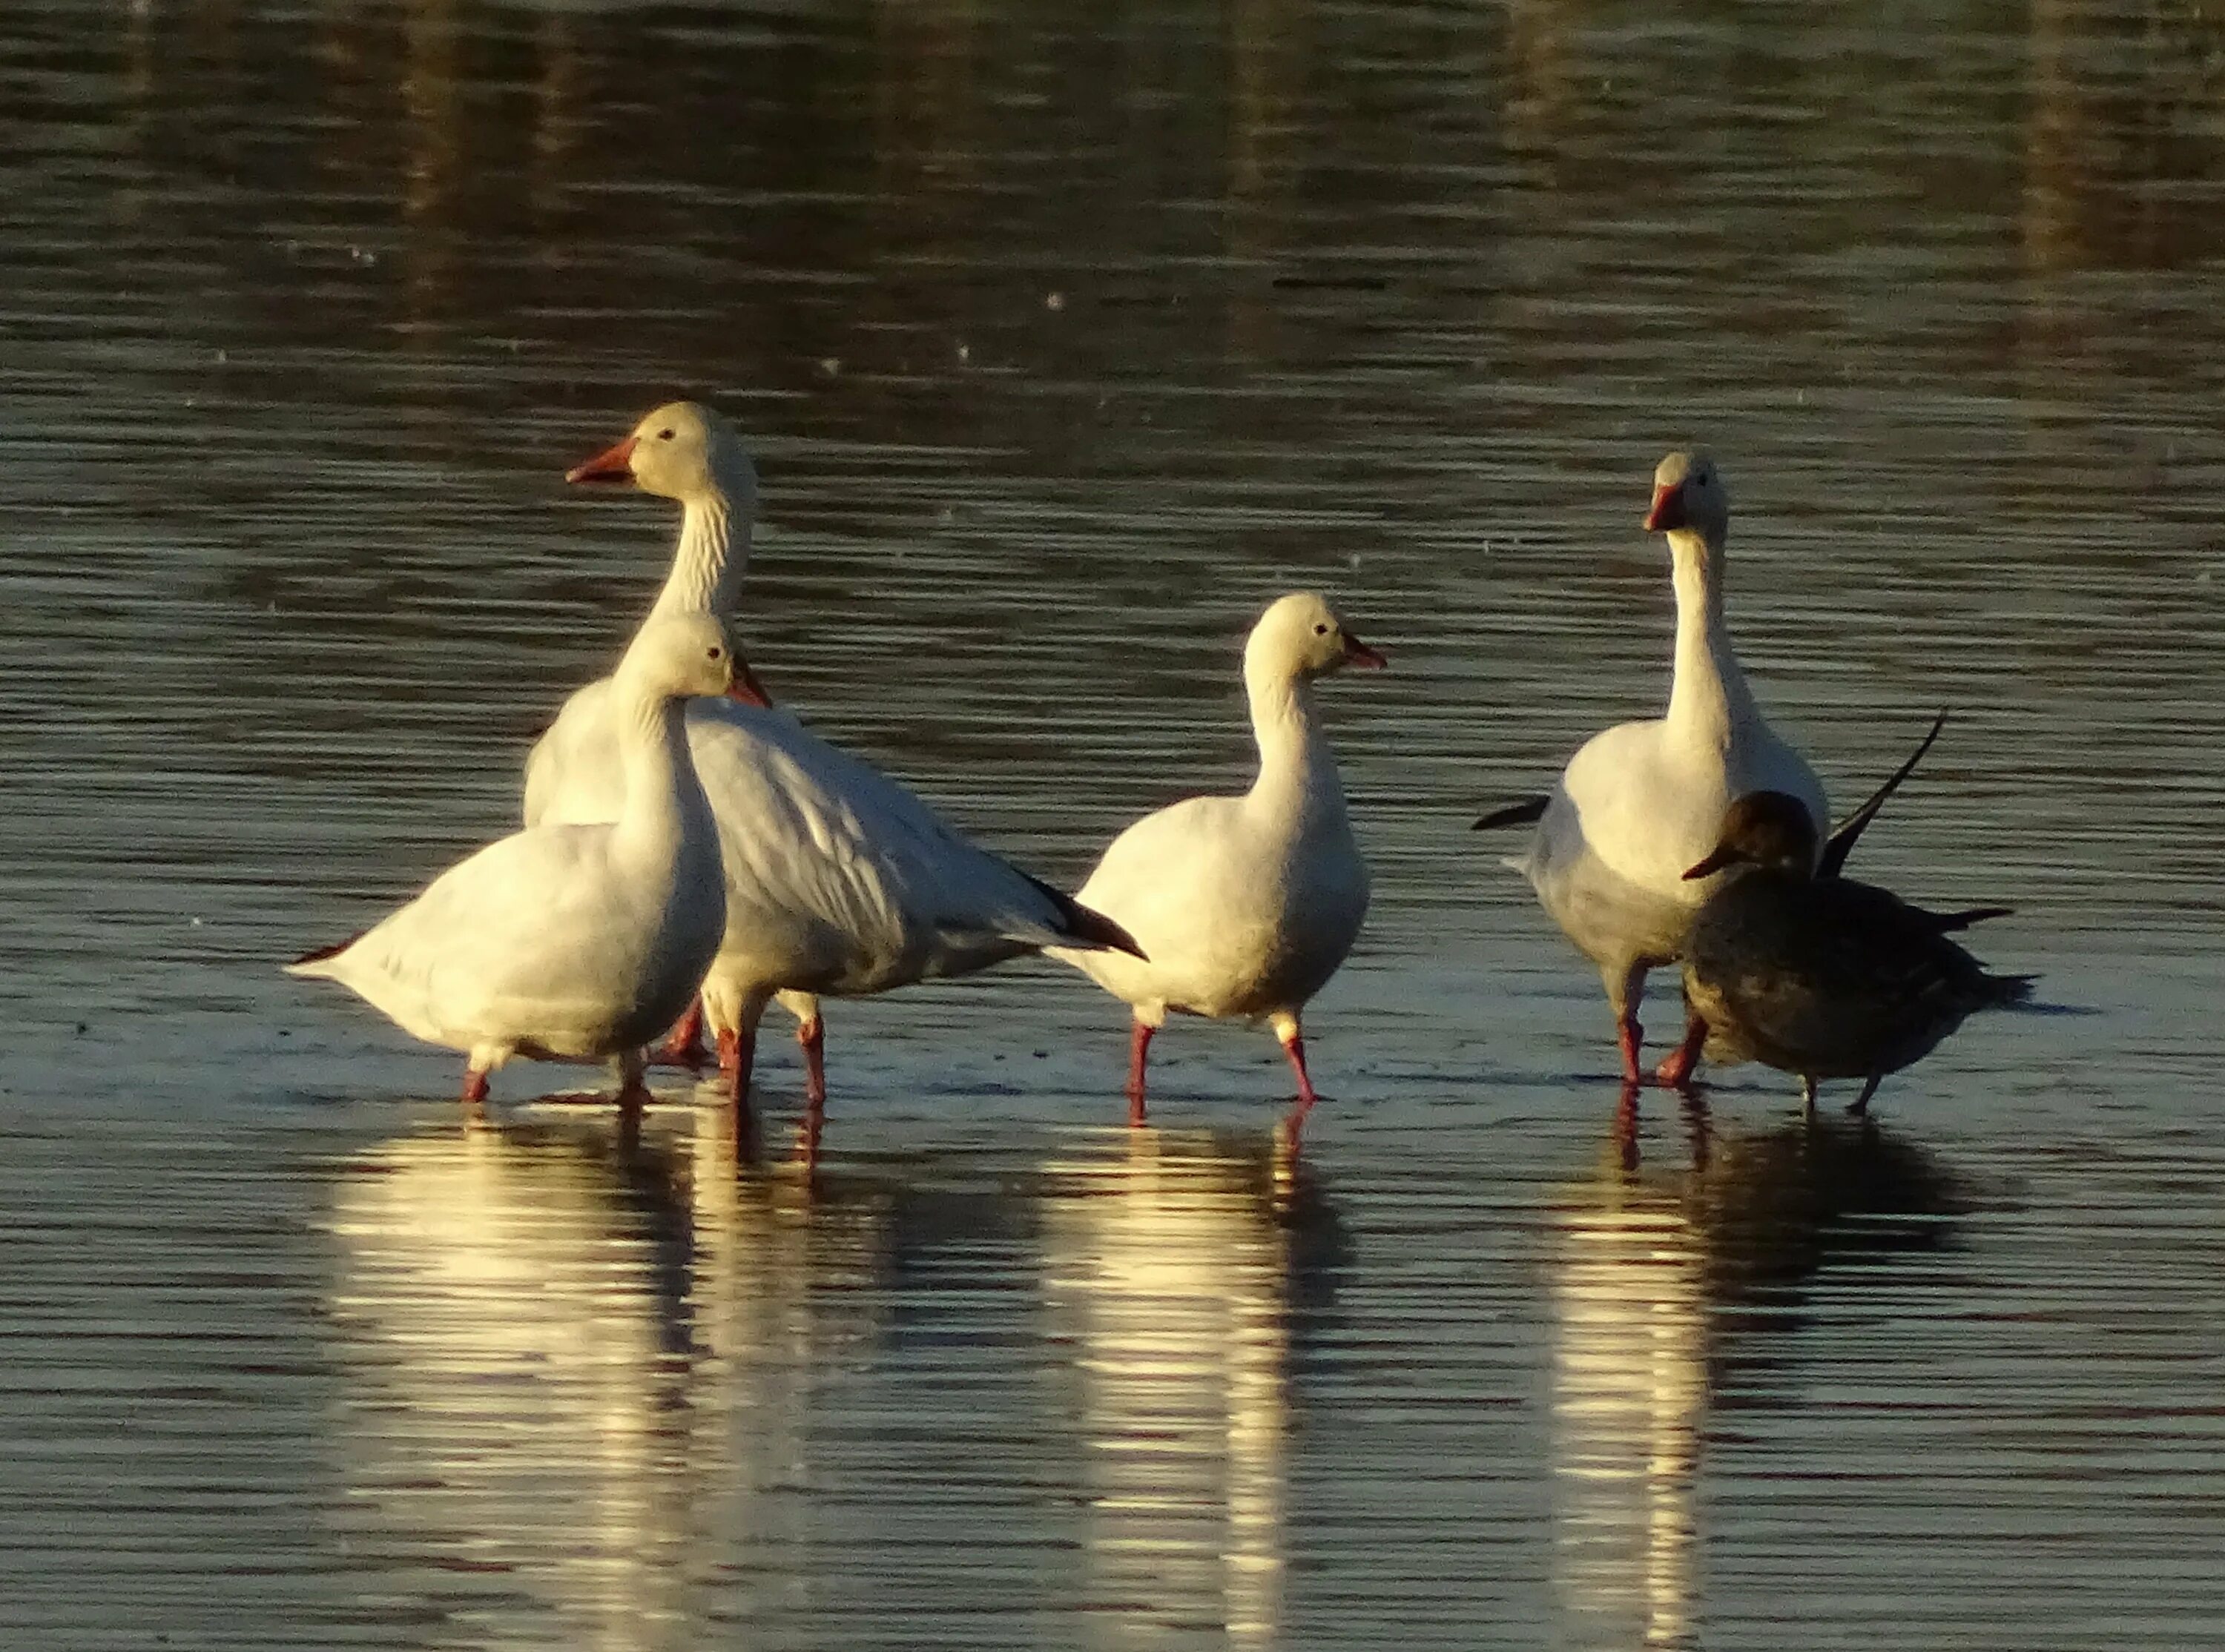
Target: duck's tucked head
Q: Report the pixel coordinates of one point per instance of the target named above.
(1300, 636)
(683, 655)
(1771, 829)
(1689, 496)
(683, 450)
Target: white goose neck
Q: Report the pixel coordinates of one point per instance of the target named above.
(715, 547)
(1297, 774)
(1708, 695)
(663, 798)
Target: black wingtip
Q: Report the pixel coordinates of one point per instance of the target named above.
(1528, 812)
(1087, 927)
(2012, 988)
(324, 952)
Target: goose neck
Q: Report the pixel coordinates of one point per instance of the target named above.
(664, 798)
(714, 552)
(1707, 694)
(1296, 773)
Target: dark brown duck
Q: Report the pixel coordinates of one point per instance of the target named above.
(1823, 977)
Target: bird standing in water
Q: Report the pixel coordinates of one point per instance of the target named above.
(1825, 978)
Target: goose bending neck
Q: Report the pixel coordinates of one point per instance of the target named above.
(1295, 769)
(663, 798)
(1708, 695)
(714, 549)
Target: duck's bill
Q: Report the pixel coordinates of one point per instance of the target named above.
(613, 464)
(1357, 653)
(1667, 514)
(1713, 864)
(748, 690)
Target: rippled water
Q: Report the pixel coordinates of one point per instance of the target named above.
(1067, 336)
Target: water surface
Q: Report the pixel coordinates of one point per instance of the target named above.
(1065, 338)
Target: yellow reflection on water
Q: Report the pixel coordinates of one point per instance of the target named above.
(570, 1351)
(1629, 1390)
(1167, 1269)
(1672, 1283)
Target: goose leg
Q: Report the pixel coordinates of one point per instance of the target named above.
(1675, 1072)
(1139, 1047)
(1862, 1103)
(1625, 988)
(737, 1055)
(684, 1045)
(1294, 1046)
(811, 1039)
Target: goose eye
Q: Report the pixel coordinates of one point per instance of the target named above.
(1321, 631)
(664, 435)
(716, 652)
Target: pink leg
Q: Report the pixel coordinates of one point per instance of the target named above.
(1676, 1073)
(475, 1086)
(811, 1036)
(1294, 1046)
(684, 1045)
(1632, 1037)
(1139, 1046)
(1625, 989)
(737, 1055)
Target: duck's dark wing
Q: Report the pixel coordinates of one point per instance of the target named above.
(1849, 832)
(1834, 978)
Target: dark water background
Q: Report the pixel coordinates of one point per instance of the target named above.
(1066, 336)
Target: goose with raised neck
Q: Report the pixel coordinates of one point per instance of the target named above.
(839, 882)
(1244, 907)
(1641, 802)
(571, 942)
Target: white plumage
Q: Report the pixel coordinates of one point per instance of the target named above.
(571, 941)
(1244, 907)
(839, 880)
(1641, 802)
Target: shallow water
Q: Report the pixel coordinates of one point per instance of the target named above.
(1066, 336)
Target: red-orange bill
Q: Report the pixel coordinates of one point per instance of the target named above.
(1668, 512)
(613, 464)
(747, 689)
(1357, 653)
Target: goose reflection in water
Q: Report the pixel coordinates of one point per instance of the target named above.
(1175, 1269)
(1668, 1287)
(571, 1349)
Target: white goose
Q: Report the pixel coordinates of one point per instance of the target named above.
(1244, 905)
(571, 942)
(839, 881)
(1641, 802)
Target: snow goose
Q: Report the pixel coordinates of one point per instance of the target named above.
(839, 881)
(1642, 802)
(1822, 977)
(1244, 905)
(571, 942)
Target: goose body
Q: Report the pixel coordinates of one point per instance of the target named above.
(1242, 906)
(570, 941)
(839, 881)
(1641, 802)
(1825, 978)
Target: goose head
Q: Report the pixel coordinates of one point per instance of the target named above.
(1688, 498)
(684, 655)
(1765, 829)
(1301, 637)
(682, 451)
